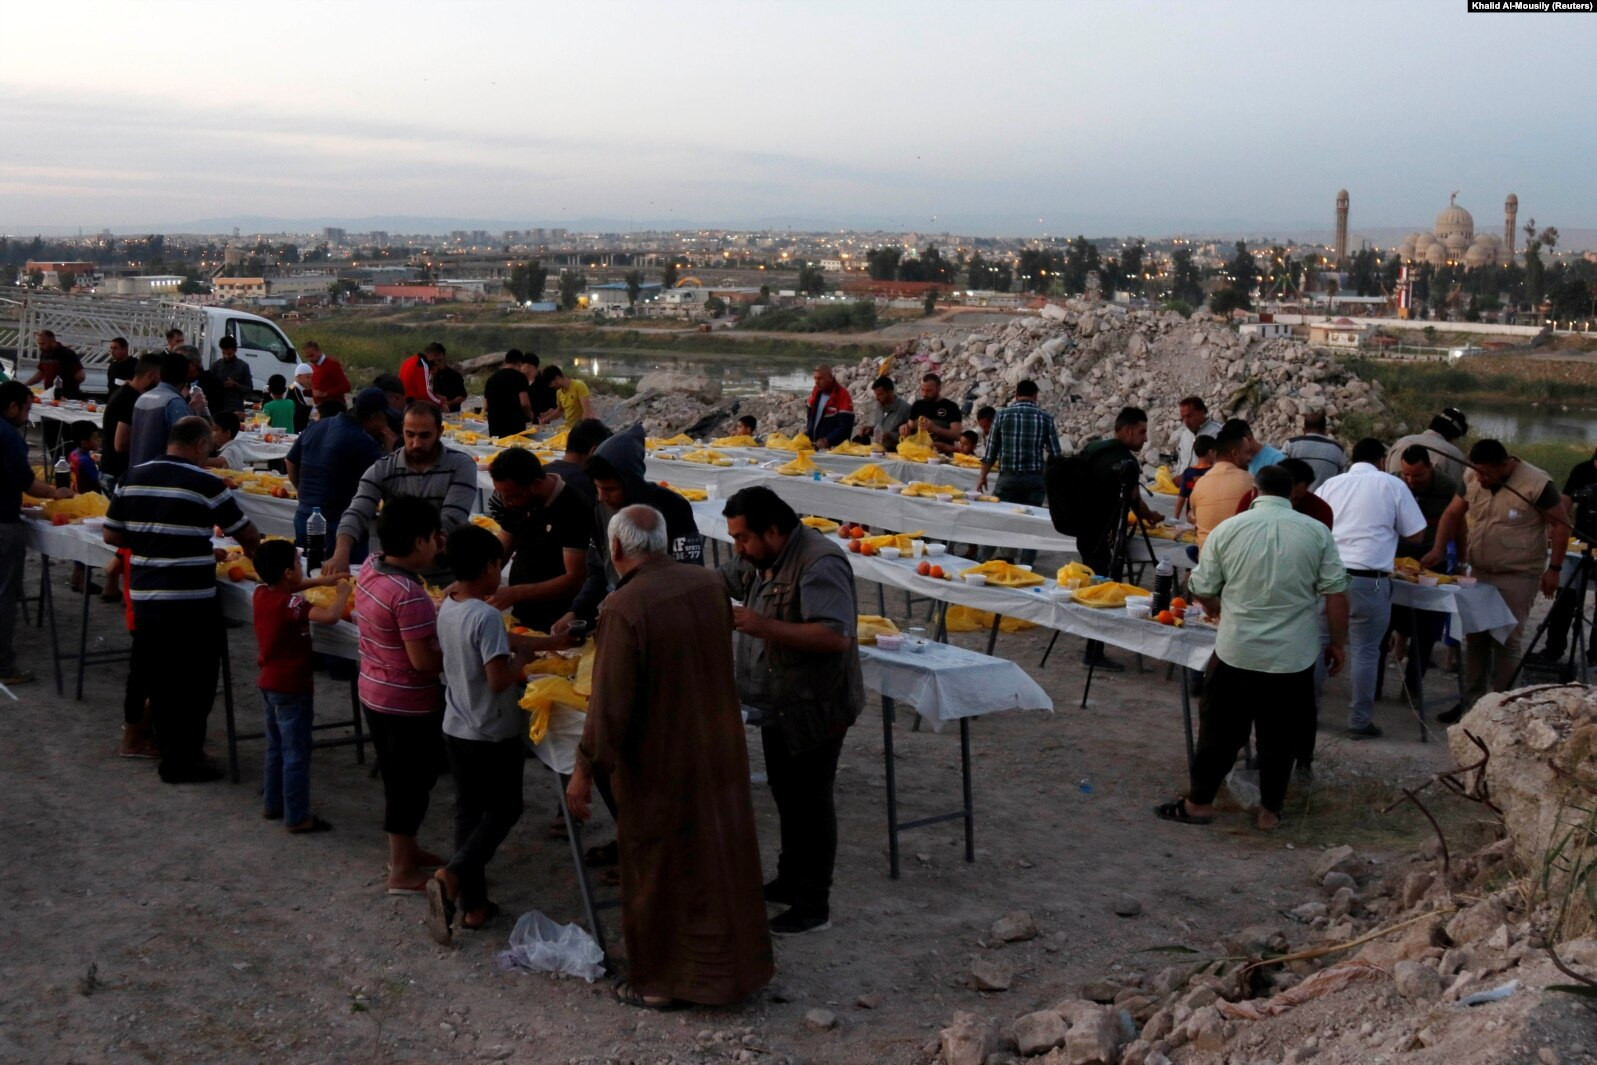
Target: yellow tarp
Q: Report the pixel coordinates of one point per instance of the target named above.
(969, 619)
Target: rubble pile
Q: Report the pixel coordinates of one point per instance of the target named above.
(1434, 957)
(1089, 359)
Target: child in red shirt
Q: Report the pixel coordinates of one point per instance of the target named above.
(283, 635)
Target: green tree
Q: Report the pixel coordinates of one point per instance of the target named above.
(668, 276)
(8, 275)
(764, 298)
(883, 263)
(1037, 269)
(930, 303)
(1081, 259)
(527, 281)
(634, 280)
(1228, 299)
(1186, 280)
(716, 306)
(1132, 264)
(193, 286)
(66, 280)
(1242, 270)
(571, 284)
(811, 279)
(341, 290)
(35, 278)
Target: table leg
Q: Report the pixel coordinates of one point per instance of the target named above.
(47, 603)
(892, 788)
(1049, 650)
(83, 634)
(227, 707)
(355, 720)
(970, 806)
(992, 637)
(574, 836)
(1087, 686)
(1419, 673)
(1186, 715)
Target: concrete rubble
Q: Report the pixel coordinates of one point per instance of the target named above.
(1089, 360)
(1396, 955)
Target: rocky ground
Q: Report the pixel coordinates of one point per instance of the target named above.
(1089, 359)
(147, 923)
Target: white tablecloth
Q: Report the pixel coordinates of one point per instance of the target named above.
(945, 683)
(1477, 609)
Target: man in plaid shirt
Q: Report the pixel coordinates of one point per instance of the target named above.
(1022, 440)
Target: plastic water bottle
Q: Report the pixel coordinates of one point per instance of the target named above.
(1164, 584)
(63, 473)
(1452, 556)
(315, 540)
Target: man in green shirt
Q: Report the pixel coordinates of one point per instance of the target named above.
(1262, 573)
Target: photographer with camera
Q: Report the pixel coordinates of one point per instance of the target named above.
(1113, 476)
(1580, 503)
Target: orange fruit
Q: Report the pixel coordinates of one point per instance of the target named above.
(59, 519)
(867, 549)
(520, 630)
(1165, 618)
(55, 403)
(934, 571)
(854, 546)
(1178, 605)
(857, 532)
(91, 408)
(235, 573)
(924, 569)
(843, 532)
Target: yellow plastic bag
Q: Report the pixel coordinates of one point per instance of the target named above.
(707, 456)
(1108, 594)
(803, 463)
(965, 462)
(692, 495)
(1006, 574)
(779, 442)
(88, 505)
(1163, 483)
(969, 619)
(483, 521)
(542, 694)
(903, 541)
(870, 475)
(735, 441)
(927, 490)
(910, 451)
(1075, 571)
(870, 626)
(848, 447)
(826, 526)
(551, 665)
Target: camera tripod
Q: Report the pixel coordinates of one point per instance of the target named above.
(1119, 554)
(1574, 664)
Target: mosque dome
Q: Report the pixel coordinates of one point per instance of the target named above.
(1457, 244)
(1477, 256)
(1454, 220)
(1436, 254)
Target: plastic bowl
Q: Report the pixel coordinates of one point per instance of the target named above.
(1138, 609)
(1139, 600)
(934, 550)
(915, 644)
(1061, 593)
(976, 580)
(945, 497)
(1427, 581)
(890, 552)
(890, 642)
(1465, 582)
(1022, 566)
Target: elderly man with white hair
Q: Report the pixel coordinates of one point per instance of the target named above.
(665, 725)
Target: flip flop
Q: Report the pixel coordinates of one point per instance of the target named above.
(628, 996)
(419, 889)
(1177, 811)
(305, 828)
(603, 855)
(490, 910)
(440, 913)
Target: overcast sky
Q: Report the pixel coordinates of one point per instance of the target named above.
(998, 116)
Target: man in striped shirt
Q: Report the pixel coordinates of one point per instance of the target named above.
(421, 467)
(163, 513)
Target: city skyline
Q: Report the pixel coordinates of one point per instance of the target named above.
(1010, 119)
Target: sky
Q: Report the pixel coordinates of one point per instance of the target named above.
(1001, 117)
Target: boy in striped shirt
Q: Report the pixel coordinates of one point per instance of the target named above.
(399, 684)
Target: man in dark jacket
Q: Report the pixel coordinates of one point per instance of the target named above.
(797, 661)
(616, 469)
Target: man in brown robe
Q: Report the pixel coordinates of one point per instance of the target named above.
(665, 723)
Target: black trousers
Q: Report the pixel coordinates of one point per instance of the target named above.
(802, 784)
(1276, 707)
(180, 691)
(487, 805)
(136, 690)
(410, 753)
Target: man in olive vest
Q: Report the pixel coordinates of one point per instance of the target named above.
(797, 662)
(1517, 534)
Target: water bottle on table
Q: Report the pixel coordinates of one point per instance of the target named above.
(63, 473)
(1164, 584)
(315, 540)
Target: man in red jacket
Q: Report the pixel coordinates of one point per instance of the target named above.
(328, 380)
(416, 372)
(829, 413)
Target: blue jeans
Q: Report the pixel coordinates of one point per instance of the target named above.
(1369, 601)
(286, 788)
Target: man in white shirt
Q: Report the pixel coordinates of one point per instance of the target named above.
(1195, 422)
(1373, 511)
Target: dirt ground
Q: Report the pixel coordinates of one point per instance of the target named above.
(145, 922)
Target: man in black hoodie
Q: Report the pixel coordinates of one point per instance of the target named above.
(616, 469)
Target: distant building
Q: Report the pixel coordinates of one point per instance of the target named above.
(1453, 239)
(1264, 330)
(81, 273)
(419, 293)
(333, 235)
(1337, 333)
(155, 285)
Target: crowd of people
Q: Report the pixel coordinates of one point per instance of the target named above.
(1294, 555)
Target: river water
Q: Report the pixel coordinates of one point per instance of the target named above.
(1526, 423)
(739, 374)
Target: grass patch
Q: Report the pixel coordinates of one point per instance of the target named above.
(828, 318)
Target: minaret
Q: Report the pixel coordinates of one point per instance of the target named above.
(1510, 212)
(1341, 227)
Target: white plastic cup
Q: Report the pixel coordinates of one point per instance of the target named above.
(916, 548)
(711, 490)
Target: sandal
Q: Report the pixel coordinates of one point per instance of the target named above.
(489, 911)
(603, 855)
(1177, 811)
(305, 828)
(627, 995)
(440, 913)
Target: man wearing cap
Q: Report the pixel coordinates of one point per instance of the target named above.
(233, 381)
(328, 380)
(1446, 428)
(301, 392)
(327, 461)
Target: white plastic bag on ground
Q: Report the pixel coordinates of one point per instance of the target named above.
(540, 945)
(1243, 784)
